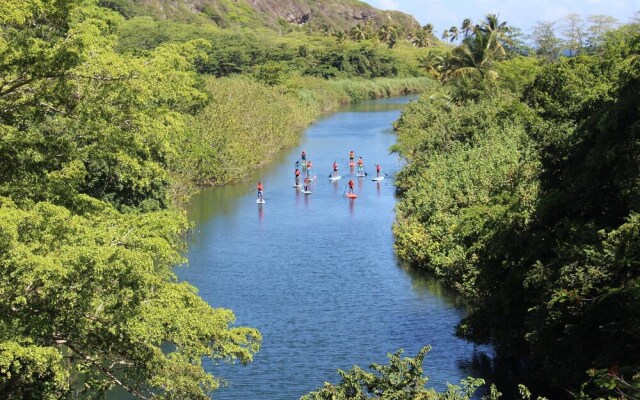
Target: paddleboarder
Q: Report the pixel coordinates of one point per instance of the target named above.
(260, 190)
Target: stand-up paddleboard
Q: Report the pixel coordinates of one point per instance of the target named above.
(360, 175)
(260, 201)
(335, 178)
(306, 191)
(351, 195)
(297, 186)
(378, 178)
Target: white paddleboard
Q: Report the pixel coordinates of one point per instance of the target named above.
(335, 178)
(360, 175)
(306, 192)
(260, 201)
(379, 178)
(297, 186)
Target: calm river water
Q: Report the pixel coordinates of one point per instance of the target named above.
(317, 274)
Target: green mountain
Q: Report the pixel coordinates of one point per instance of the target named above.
(274, 14)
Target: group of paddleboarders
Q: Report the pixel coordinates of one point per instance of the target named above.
(306, 164)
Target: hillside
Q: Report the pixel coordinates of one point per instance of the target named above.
(274, 14)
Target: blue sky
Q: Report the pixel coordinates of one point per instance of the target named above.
(519, 13)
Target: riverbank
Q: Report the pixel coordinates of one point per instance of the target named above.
(245, 123)
(317, 275)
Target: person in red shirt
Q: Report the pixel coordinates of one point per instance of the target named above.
(306, 184)
(308, 168)
(350, 186)
(297, 173)
(378, 170)
(260, 190)
(335, 168)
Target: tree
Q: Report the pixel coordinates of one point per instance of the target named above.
(358, 33)
(421, 38)
(400, 380)
(547, 44)
(445, 34)
(474, 57)
(467, 27)
(88, 238)
(497, 32)
(599, 25)
(453, 33)
(574, 34)
(388, 34)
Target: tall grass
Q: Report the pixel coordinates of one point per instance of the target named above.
(246, 122)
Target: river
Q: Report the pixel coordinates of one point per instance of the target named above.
(316, 274)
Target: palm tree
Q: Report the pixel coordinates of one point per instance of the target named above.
(434, 63)
(475, 57)
(420, 38)
(428, 28)
(445, 35)
(358, 33)
(467, 27)
(388, 34)
(341, 36)
(454, 34)
(497, 31)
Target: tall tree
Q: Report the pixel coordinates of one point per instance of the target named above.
(420, 38)
(466, 27)
(445, 34)
(547, 45)
(574, 34)
(496, 31)
(453, 33)
(599, 25)
(358, 33)
(88, 298)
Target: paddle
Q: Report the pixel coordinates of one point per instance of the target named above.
(345, 189)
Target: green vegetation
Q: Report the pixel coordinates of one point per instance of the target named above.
(282, 16)
(88, 299)
(106, 126)
(521, 192)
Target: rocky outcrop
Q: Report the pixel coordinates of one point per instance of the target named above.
(331, 14)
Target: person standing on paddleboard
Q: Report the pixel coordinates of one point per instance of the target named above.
(308, 168)
(350, 186)
(378, 170)
(306, 184)
(297, 173)
(360, 165)
(335, 168)
(351, 157)
(303, 156)
(260, 189)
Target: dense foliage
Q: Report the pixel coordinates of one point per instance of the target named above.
(88, 299)
(523, 194)
(103, 132)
